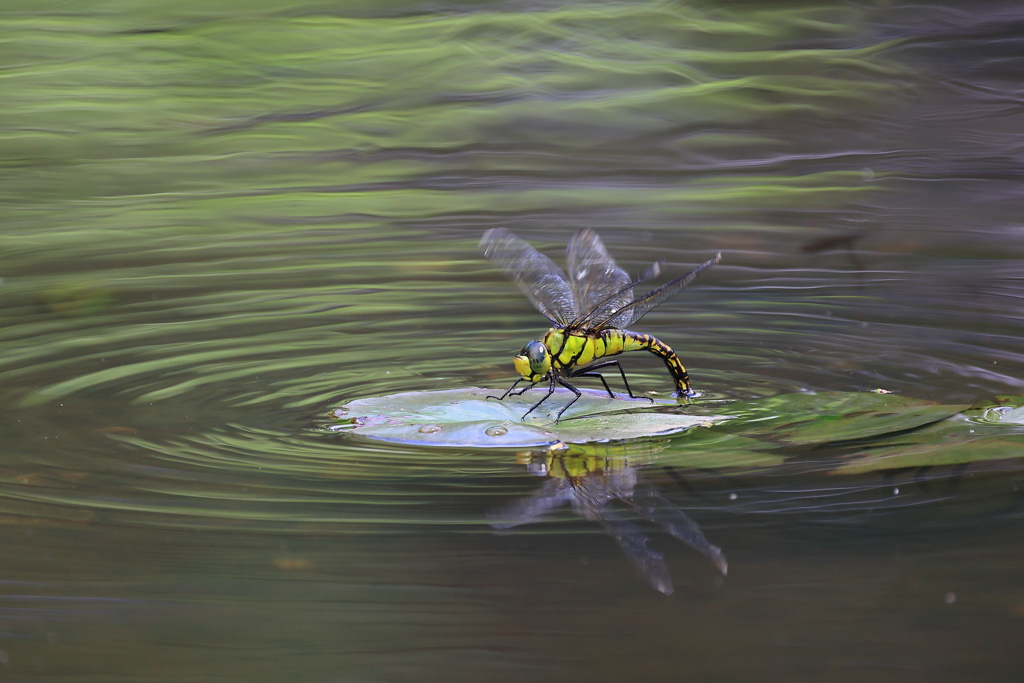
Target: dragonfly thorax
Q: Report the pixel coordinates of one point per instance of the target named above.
(533, 362)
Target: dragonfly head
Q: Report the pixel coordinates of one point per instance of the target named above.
(533, 362)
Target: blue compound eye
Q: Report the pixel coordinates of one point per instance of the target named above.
(535, 351)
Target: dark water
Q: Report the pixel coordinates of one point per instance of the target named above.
(219, 221)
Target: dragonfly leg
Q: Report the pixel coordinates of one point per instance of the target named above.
(597, 375)
(551, 390)
(502, 397)
(589, 372)
(523, 391)
(570, 388)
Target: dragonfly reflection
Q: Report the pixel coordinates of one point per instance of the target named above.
(592, 479)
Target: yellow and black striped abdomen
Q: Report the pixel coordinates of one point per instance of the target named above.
(570, 350)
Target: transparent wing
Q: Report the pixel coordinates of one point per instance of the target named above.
(599, 285)
(585, 321)
(638, 308)
(543, 282)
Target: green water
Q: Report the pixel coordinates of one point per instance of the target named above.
(221, 220)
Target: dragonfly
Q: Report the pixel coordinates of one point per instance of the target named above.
(589, 310)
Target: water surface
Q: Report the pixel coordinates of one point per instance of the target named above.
(218, 222)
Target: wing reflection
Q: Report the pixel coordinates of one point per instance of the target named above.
(591, 479)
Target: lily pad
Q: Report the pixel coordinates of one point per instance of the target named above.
(887, 431)
(721, 451)
(468, 418)
(990, 431)
(935, 454)
(816, 419)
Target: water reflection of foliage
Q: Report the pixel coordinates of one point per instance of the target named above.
(591, 479)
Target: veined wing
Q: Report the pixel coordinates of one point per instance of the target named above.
(638, 308)
(586, 321)
(543, 282)
(598, 284)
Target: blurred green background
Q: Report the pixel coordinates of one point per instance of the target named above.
(219, 220)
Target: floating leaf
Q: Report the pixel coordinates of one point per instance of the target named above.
(936, 454)
(467, 418)
(722, 451)
(805, 419)
(978, 435)
(903, 432)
